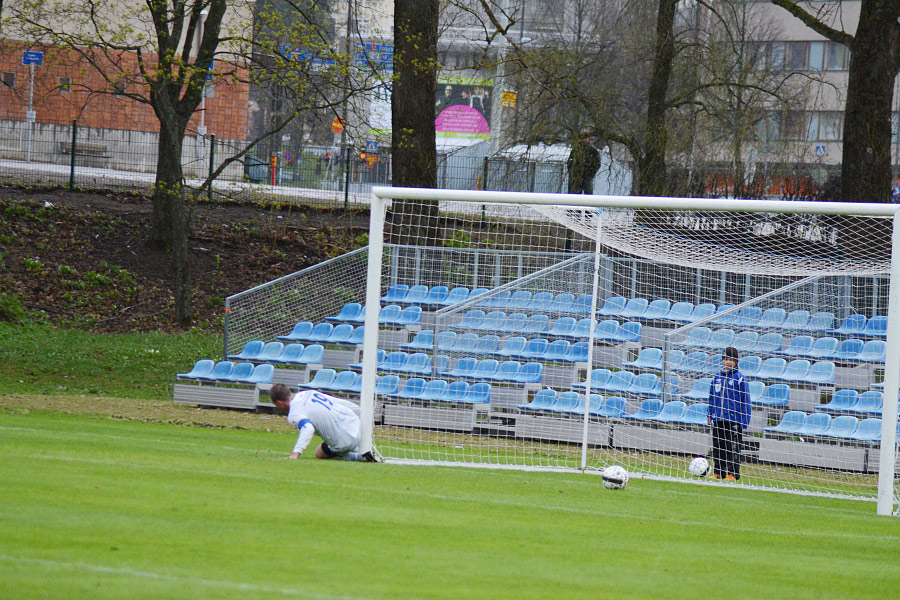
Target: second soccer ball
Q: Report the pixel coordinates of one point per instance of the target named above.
(615, 477)
(699, 467)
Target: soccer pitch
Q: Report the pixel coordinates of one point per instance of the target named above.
(92, 507)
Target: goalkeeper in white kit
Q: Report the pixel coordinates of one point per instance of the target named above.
(336, 420)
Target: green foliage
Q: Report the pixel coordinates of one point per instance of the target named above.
(33, 265)
(11, 308)
(460, 239)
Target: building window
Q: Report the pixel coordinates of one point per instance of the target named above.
(8, 78)
(119, 89)
(831, 126)
(837, 57)
(65, 84)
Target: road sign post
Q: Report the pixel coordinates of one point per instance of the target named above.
(31, 59)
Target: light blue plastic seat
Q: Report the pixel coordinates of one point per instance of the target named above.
(796, 320)
(772, 318)
(599, 380)
(605, 331)
(613, 407)
(841, 401)
(394, 361)
(874, 351)
(535, 349)
(852, 324)
(799, 345)
(514, 323)
(849, 350)
(387, 385)
(505, 372)
(479, 291)
(435, 390)
(648, 410)
(748, 316)
(543, 399)
(557, 350)
(581, 305)
(583, 328)
(479, 393)
(619, 381)
(537, 325)
(674, 360)
(694, 362)
(769, 343)
(456, 391)
(823, 347)
(541, 301)
(416, 295)
(645, 384)
(531, 372)
(262, 374)
(746, 341)
(722, 318)
(816, 424)
(464, 368)
(313, 354)
(634, 308)
(820, 322)
(290, 354)
(493, 321)
(341, 334)
(389, 315)
(437, 295)
(299, 333)
(567, 402)
(792, 423)
(702, 311)
(456, 295)
(630, 331)
(497, 300)
(563, 326)
(647, 358)
(876, 326)
(417, 363)
(321, 380)
(349, 311)
(465, 343)
(320, 332)
(842, 427)
(657, 310)
(776, 395)
(612, 306)
(577, 353)
(471, 320)
(395, 293)
(446, 340)
(487, 344)
(749, 365)
(696, 415)
(720, 339)
(698, 391)
(680, 312)
(250, 351)
(423, 340)
(869, 430)
(411, 316)
(518, 300)
(756, 390)
(220, 371)
(485, 368)
(270, 351)
(562, 303)
(772, 368)
(713, 364)
(241, 372)
(698, 337)
(412, 389)
(344, 381)
(358, 336)
(869, 403)
(820, 373)
(513, 346)
(795, 371)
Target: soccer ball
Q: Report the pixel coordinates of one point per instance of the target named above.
(699, 467)
(615, 478)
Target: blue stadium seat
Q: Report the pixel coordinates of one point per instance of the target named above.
(387, 385)
(648, 410)
(869, 403)
(220, 371)
(290, 354)
(514, 323)
(630, 331)
(699, 391)
(299, 333)
(396, 293)
(471, 320)
(540, 302)
(874, 351)
(417, 363)
(463, 368)
(417, 294)
(563, 326)
(456, 391)
(703, 310)
(583, 328)
(599, 379)
(792, 423)
(485, 368)
(772, 318)
(557, 350)
(697, 337)
(799, 345)
(240, 372)
(411, 316)
(270, 351)
(320, 332)
(478, 292)
(713, 364)
(487, 344)
(506, 372)
(816, 424)
(492, 321)
(749, 365)
(423, 340)
(358, 336)
(456, 295)
(657, 310)
(465, 343)
(513, 346)
(544, 399)
(537, 325)
(479, 393)
(393, 362)
(823, 347)
(349, 312)
(796, 320)
(581, 305)
(605, 330)
(412, 389)
(562, 302)
(769, 343)
(518, 300)
(645, 384)
(849, 350)
(820, 373)
(344, 381)
(841, 401)
(820, 322)
(720, 339)
(531, 372)
(321, 380)
(566, 402)
(756, 390)
(389, 315)
(620, 381)
(437, 295)
(771, 368)
(262, 374)
(869, 430)
(612, 306)
(694, 362)
(647, 358)
(577, 353)
(250, 352)
(852, 324)
(696, 415)
(446, 340)
(680, 312)
(674, 360)
(535, 349)
(672, 412)
(497, 300)
(776, 395)
(746, 341)
(634, 308)
(795, 371)
(435, 390)
(341, 334)
(842, 427)
(748, 316)
(613, 407)
(313, 354)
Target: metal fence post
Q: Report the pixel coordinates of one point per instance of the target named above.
(212, 159)
(72, 156)
(346, 176)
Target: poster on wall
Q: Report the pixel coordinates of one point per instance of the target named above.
(463, 108)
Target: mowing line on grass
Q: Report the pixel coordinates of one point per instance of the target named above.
(469, 499)
(107, 570)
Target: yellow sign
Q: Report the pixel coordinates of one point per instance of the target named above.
(337, 125)
(508, 99)
(371, 159)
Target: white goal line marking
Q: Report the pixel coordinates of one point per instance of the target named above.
(137, 574)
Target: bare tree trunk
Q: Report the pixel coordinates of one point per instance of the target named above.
(413, 150)
(652, 165)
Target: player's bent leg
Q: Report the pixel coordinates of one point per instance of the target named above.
(323, 451)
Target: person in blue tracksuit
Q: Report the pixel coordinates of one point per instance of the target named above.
(729, 415)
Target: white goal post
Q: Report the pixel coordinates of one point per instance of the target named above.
(596, 221)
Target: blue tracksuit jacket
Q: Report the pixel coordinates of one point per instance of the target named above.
(729, 398)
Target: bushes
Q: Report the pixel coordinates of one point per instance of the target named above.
(11, 308)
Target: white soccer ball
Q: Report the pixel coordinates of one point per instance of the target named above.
(699, 467)
(615, 478)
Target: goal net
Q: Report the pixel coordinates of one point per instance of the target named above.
(576, 332)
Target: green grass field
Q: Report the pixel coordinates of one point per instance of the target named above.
(94, 507)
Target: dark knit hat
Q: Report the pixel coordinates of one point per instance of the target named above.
(731, 352)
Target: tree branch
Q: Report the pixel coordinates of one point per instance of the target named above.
(810, 20)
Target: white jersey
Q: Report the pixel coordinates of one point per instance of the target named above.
(336, 420)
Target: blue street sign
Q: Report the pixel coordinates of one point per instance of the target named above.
(212, 64)
(33, 58)
(371, 147)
